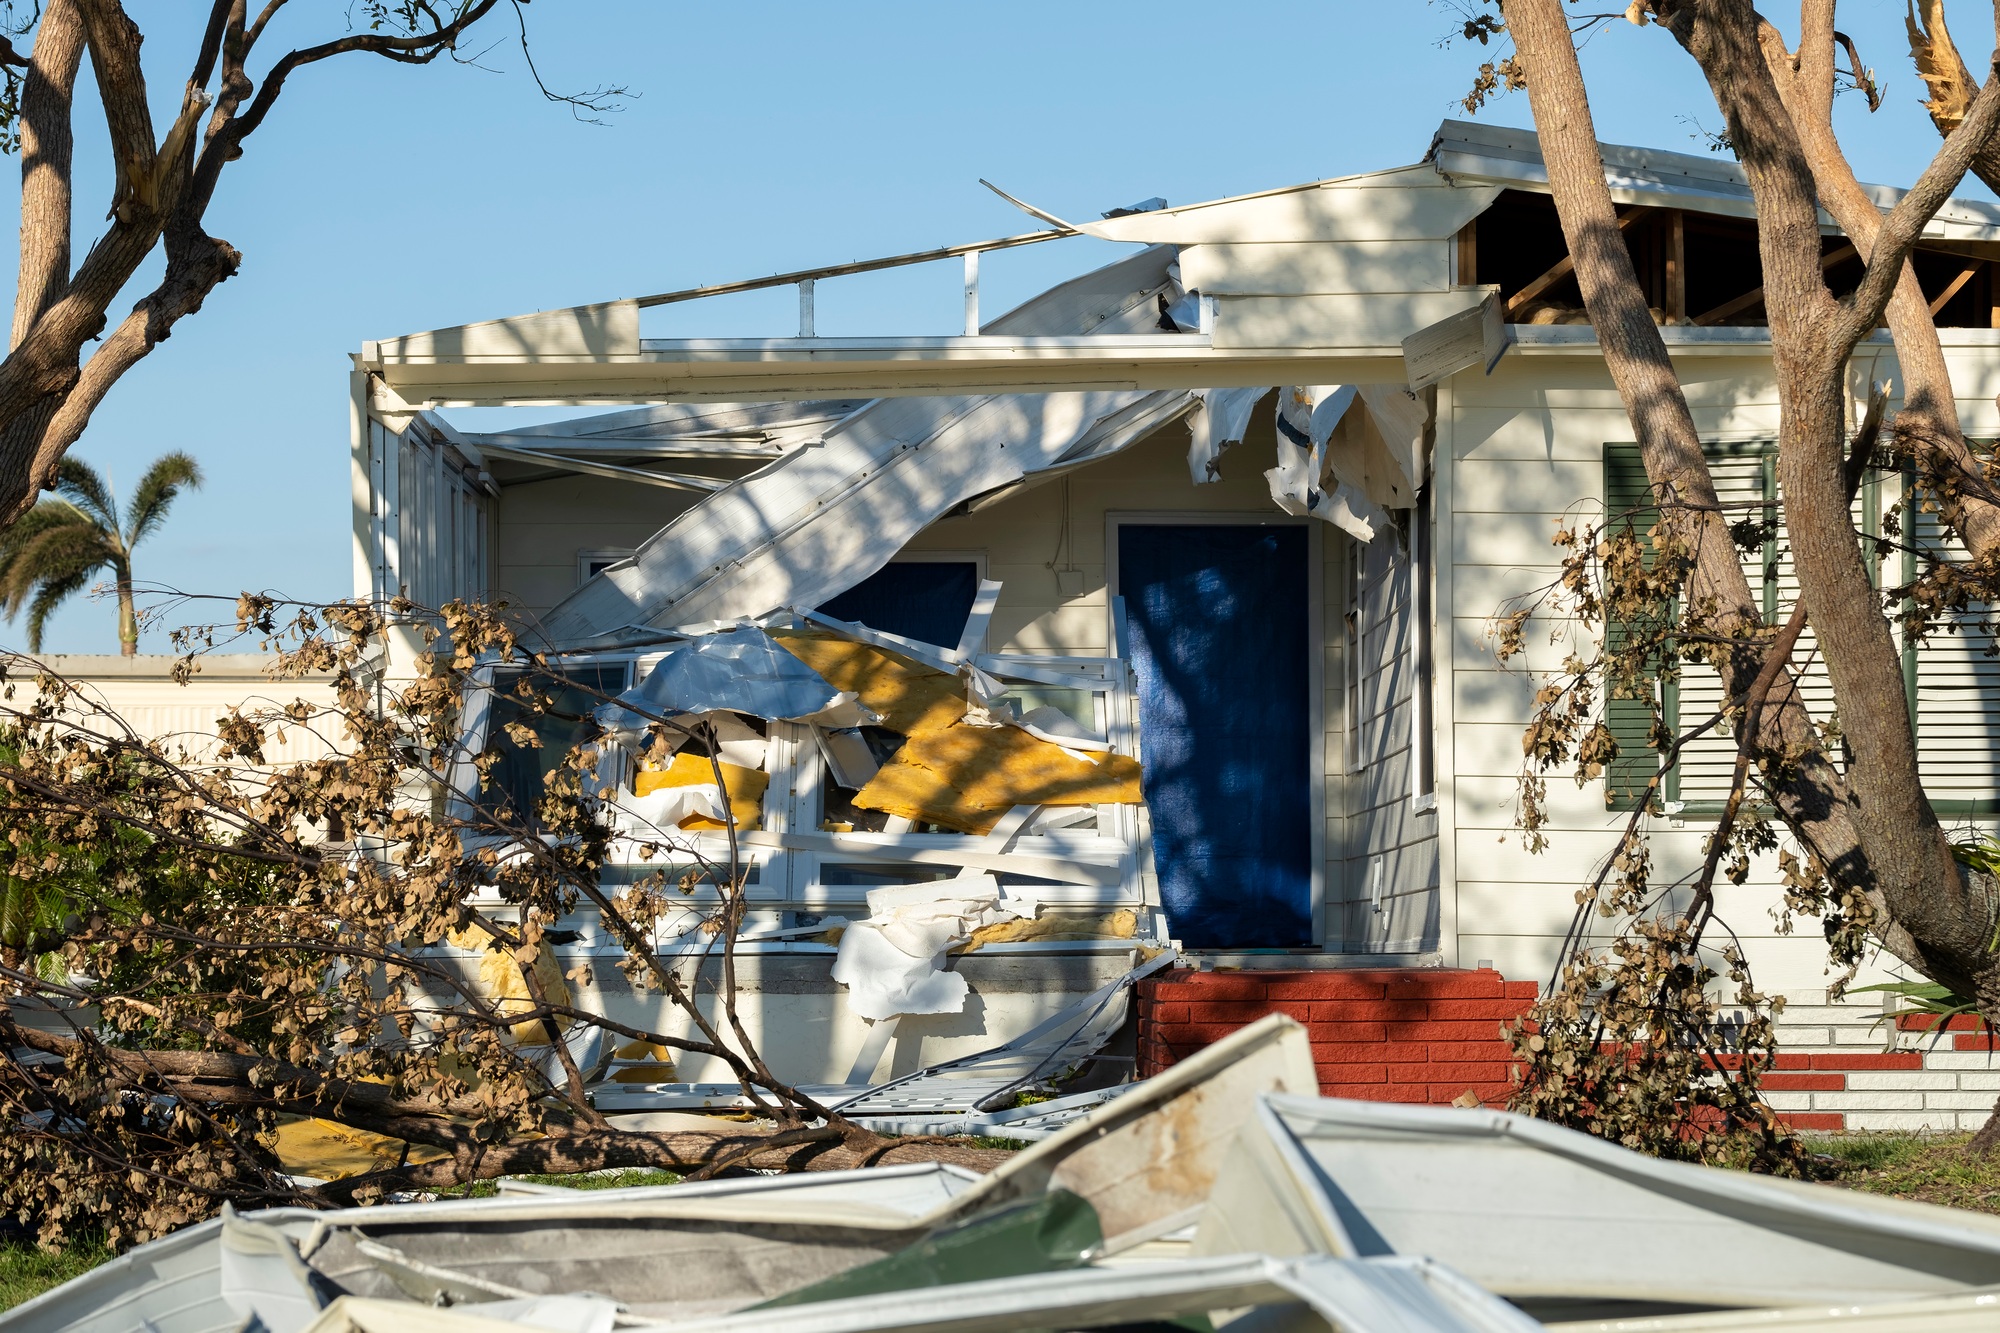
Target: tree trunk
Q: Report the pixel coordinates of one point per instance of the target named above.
(128, 615)
(47, 146)
(683, 1152)
(1902, 858)
(1928, 423)
(1812, 795)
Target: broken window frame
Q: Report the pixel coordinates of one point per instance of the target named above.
(1114, 842)
(785, 883)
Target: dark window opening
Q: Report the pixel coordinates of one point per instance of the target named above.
(515, 784)
(836, 803)
(926, 600)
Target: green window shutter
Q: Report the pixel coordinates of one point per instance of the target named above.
(1628, 504)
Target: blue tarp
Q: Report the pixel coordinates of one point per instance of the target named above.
(1219, 620)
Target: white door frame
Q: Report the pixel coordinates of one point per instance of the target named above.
(1316, 656)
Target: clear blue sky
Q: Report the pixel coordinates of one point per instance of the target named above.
(381, 199)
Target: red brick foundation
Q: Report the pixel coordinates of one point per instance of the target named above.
(1389, 1035)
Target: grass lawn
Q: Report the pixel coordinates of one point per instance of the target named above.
(26, 1272)
(1930, 1168)
(595, 1180)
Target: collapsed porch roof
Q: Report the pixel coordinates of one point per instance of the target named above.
(1265, 328)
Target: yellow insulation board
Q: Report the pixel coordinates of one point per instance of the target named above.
(1122, 924)
(907, 696)
(650, 1062)
(502, 985)
(746, 788)
(967, 777)
(325, 1150)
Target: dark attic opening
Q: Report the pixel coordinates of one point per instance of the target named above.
(1696, 268)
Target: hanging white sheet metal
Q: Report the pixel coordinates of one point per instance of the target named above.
(1220, 421)
(1307, 415)
(823, 517)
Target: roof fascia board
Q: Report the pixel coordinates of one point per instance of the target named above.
(915, 347)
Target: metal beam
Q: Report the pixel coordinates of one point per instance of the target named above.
(675, 481)
(758, 445)
(856, 266)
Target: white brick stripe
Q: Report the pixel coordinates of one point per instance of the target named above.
(1954, 1090)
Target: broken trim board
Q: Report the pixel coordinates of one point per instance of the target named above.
(1472, 337)
(1069, 870)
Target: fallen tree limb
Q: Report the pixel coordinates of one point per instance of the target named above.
(686, 1152)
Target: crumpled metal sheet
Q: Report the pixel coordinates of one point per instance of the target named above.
(1375, 1218)
(740, 670)
(1307, 415)
(1548, 1216)
(1220, 421)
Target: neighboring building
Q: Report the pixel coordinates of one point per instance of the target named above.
(1344, 746)
(143, 694)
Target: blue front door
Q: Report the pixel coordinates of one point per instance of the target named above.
(1219, 619)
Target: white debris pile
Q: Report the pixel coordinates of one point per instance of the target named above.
(1221, 1189)
(893, 962)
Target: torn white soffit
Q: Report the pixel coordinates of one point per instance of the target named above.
(825, 516)
(1376, 463)
(679, 430)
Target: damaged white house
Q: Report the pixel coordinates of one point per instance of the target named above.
(1239, 507)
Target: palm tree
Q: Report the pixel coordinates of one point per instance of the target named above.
(60, 544)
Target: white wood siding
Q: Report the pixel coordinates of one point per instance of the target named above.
(1389, 901)
(1525, 449)
(433, 533)
(542, 525)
